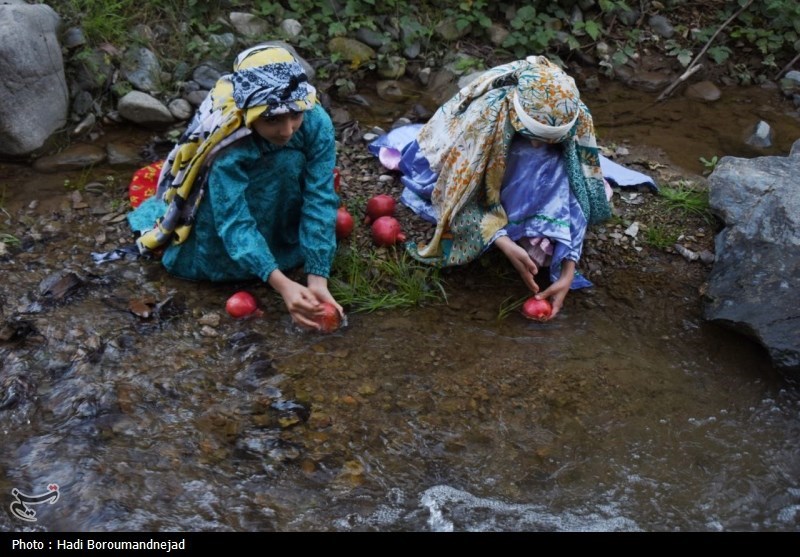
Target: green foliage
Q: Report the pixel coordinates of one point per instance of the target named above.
(79, 184)
(9, 239)
(531, 31)
(345, 87)
(770, 28)
(510, 305)
(719, 54)
(469, 13)
(414, 31)
(366, 282)
(709, 164)
(268, 8)
(660, 237)
(767, 28)
(611, 6)
(468, 64)
(684, 197)
(590, 27)
(676, 49)
(101, 20)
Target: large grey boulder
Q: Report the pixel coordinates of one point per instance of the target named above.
(754, 285)
(33, 88)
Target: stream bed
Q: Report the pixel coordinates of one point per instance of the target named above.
(627, 413)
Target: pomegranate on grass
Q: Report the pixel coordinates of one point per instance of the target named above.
(379, 206)
(344, 223)
(337, 181)
(386, 231)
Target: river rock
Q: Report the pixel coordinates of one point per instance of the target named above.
(33, 89)
(761, 137)
(497, 34)
(181, 109)
(790, 84)
(91, 71)
(206, 75)
(74, 157)
(644, 80)
(196, 98)
(141, 68)
(74, 37)
(351, 50)
(661, 26)
(292, 28)
(392, 67)
(248, 25)
(442, 85)
(340, 116)
(82, 103)
(448, 29)
(222, 43)
(704, 91)
(390, 90)
(374, 39)
(141, 108)
(753, 287)
(122, 155)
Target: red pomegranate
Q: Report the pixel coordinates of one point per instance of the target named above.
(337, 180)
(344, 223)
(386, 231)
(242, 304)
(538, 310)
(381, 205)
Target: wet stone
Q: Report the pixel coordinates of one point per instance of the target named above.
(59, 285)
(208, 332)
(210, 319)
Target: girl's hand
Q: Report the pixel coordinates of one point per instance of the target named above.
(557, 292)
(319, 286)
(521, 261)
(303, 304)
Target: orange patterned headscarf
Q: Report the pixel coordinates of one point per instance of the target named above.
(467, 139)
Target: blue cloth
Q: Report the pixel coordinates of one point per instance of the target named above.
(266, 207)
(615, 173)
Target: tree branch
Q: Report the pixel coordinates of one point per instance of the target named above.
(786, 67)
(690, 69)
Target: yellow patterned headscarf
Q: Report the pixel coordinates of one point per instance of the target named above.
(266, 80)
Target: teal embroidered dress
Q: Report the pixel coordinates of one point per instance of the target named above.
(265, 207)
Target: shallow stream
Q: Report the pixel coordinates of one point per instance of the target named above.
(626, 413)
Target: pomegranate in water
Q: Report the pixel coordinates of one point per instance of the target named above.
(538, 310)
(330, 320)
(242, 304)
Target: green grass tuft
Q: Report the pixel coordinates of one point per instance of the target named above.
(683, 197)
(511, 305)
(660, 237)
(9, 239)
(366, 282)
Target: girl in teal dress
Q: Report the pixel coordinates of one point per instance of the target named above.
(247, 193)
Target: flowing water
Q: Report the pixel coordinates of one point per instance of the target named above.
(626, 413)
